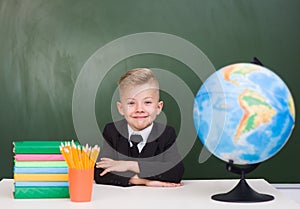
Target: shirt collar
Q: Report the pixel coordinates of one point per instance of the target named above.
(144, 133)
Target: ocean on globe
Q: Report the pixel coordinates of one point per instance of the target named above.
(244, 113)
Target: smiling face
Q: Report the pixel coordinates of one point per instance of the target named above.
(140, 105)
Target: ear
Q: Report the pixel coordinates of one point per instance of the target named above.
(120, 108)
(160, 105)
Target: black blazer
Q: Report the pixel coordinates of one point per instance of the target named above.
(158, 160)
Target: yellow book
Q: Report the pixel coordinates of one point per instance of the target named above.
(40, 177)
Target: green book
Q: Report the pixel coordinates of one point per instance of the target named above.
(34, 192)
(37, 147)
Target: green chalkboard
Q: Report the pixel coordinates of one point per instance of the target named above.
(46, 44)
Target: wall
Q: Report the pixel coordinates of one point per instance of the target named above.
(45, 44)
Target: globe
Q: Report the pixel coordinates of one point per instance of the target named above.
(244, 113)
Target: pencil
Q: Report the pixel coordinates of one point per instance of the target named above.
(79, 157)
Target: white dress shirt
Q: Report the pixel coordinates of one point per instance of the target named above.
(144, 133)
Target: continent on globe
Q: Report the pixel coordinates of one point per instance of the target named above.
(292, 107)
(256, 112)
(234, 69)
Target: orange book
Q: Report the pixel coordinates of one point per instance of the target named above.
(40, 177)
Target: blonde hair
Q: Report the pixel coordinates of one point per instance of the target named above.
(136, 77)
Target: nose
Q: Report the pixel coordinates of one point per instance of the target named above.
(139, 107)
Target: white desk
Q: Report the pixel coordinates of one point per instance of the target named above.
(194, 194)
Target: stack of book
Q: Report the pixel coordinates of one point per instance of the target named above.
(40, 170)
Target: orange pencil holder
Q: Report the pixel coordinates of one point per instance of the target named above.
(81, 184)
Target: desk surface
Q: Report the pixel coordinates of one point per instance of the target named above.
(194, 194)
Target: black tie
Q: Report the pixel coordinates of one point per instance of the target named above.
(135, 139)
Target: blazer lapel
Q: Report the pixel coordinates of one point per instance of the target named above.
(122, 143)
(152, 146)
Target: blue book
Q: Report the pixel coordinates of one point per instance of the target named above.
(41, 183)
(40, 170)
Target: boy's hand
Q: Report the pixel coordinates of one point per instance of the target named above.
(110, 165)
(153, 183)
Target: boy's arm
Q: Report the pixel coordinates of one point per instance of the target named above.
(167, 165)
(111, 178)
(161, 171)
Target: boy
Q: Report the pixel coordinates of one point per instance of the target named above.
(137, 150)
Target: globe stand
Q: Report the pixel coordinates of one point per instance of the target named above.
(242, 192)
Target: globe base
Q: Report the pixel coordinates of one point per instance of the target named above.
(242, 192)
